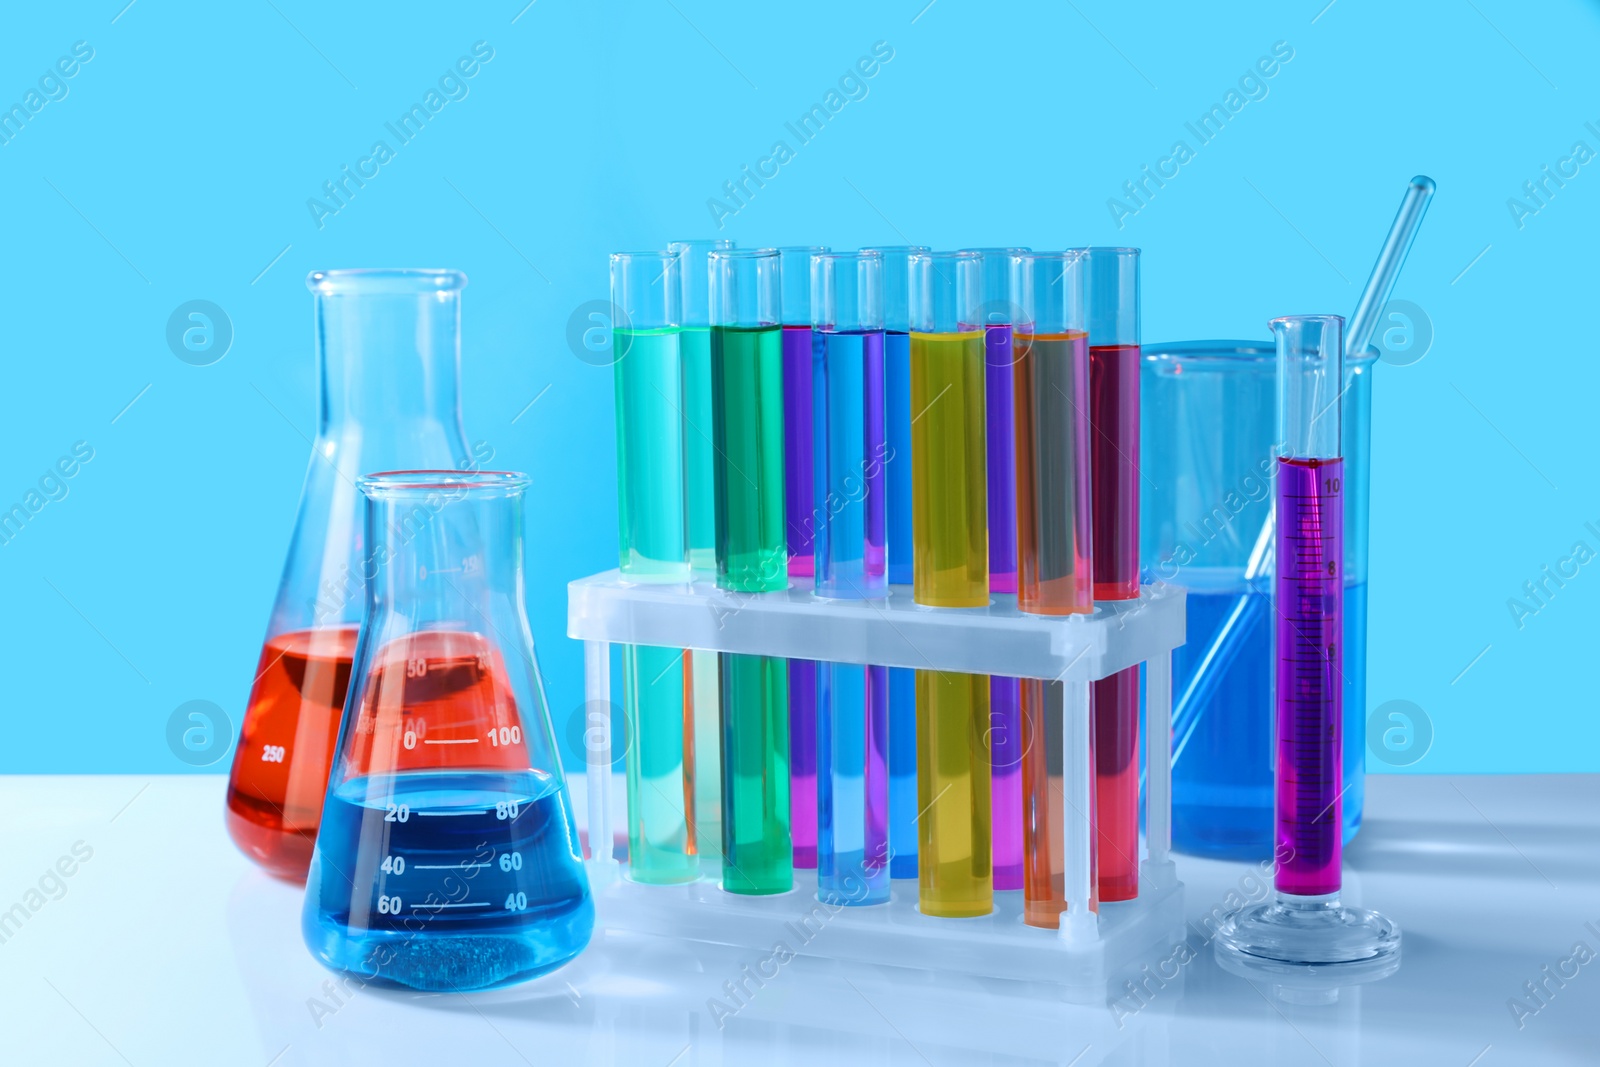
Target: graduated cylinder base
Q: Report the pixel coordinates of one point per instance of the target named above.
(756, 846)
(953, 788)
(1292, 934)
(660, 725)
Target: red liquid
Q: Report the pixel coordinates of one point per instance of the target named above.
(437, 700)
(431, 703)
(1114, 703)
(1114, 463)
(280, 769)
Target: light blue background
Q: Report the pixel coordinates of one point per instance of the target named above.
(180, 163)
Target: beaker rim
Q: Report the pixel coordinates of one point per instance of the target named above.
(1231, 352)
(386, 280)
(401, 483)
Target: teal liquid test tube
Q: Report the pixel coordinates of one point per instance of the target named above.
(897, 472)
(851, 564)
(694, 275)
(751, 557)
(647, 304)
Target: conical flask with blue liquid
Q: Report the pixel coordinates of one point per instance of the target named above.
(448, 856)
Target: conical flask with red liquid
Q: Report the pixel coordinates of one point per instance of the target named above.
(448, 858)
(388, 368)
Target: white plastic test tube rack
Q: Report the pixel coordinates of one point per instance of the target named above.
(1091, 949)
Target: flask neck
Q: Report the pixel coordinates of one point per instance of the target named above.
(389, 364)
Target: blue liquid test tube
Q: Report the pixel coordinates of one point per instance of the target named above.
(897, 469)
(849, 542)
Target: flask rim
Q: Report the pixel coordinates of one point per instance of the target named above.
(456, 483)
(420, 280)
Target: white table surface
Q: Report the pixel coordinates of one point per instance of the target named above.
(167, 948)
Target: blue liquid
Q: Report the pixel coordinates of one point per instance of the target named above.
(897, 419)
(852, 785)
(1222, 783)
(448, 881)
(902, 772)
(848, 437)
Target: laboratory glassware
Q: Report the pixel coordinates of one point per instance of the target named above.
(448, 858)
(795, 305)
(747, 412)
(1051, 385)
(999, 314)
(852, 699)
(1305, 925)
(951, 569)
(1207, 525)
(694, 347)
(646, 292)
(694, 341)
(388, 370)
(1113, 281)
(897, 463)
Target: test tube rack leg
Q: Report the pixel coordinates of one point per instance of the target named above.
(1088, 951)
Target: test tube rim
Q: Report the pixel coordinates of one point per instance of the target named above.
(341, 281)
(385, 484)
(744, 253)
(885, 250)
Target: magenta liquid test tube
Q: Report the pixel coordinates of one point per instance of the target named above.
(1305, 926)
(799, 482)
(1000, 315)
(852, 699)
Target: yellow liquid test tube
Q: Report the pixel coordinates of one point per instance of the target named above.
(949, 483)
(955, 870)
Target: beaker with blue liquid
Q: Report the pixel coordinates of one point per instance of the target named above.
(448, 856)
(1208, 430)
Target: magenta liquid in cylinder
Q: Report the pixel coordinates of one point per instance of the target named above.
(1310, 627)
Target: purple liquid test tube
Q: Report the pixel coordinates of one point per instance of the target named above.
(794, 279)
(1000, 314)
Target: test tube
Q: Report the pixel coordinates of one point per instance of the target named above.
(1000, 314)
(650, 472)
(950, 563)
(1113, 281)
(897, 419)
(695, 344)
(1051, 381)
(799, 480)
(648, 379)
(852, 700)
(951, 569)
(747, 416)
(700, 668)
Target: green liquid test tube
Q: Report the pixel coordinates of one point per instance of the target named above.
(654, 548)
(949, 518)
(751, 551)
